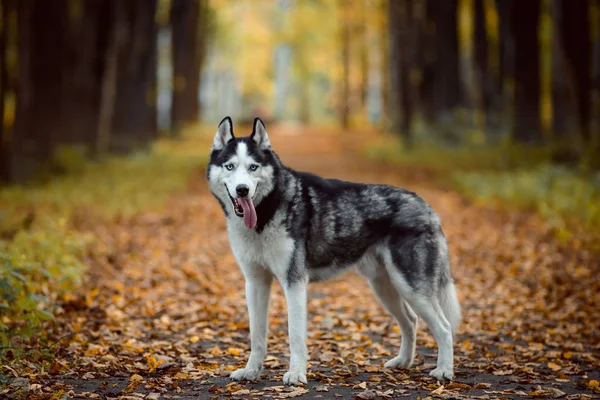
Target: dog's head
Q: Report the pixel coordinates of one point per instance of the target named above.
(241, 171)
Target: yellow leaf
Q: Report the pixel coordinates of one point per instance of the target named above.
(593, 383)
(458, 385)
(152, 362)
(554, 367)
(438, 390)
(136, 378)
(233, 352)
(194, 339)
(233, 387)
(467, 345)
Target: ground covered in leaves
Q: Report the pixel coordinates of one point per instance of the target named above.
(162, 312)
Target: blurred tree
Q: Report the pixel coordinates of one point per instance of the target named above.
(572, 66)
(38, 123)
(345, 42)
(187, 38)
(482, 54)
(87, 39)
(114, 22)
(401, 65)
(524, 25)
(4, 139)
(506, 52)
(134, 122)
(593, 145)
(426, 56)
(448, 89)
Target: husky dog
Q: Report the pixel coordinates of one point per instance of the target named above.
(300, 228)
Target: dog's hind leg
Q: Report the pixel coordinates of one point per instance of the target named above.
(406, 318)
(430, 311)
(421, 296)
(258, 294)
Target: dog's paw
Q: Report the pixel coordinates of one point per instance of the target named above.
(247, 374)
(401, 362)
(441, 373)
(293, 377)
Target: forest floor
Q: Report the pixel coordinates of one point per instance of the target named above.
(162, 314)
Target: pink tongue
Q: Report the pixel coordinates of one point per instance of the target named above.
(249, 212)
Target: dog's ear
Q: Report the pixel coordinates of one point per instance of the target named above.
(224, 134)
(259, 134)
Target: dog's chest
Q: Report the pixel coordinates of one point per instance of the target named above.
(272, 248)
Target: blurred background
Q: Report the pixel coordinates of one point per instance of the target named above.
(109, 76)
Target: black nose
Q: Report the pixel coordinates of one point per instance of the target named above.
(242, 190)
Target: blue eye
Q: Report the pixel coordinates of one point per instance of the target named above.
(253, 167)
(228, 167)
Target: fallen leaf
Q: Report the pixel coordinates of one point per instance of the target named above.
(556, 393)
(457, 385)
(233, 352)
(366, 395)
(482, 385)
(438, 391)
(152, 362)
(298, 391)
(554, 367)
(233, 387)
(136, 378)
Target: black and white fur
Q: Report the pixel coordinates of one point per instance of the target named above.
(309, 228)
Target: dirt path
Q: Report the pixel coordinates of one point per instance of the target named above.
(162, 313)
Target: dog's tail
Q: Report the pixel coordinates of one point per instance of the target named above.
(450, 306)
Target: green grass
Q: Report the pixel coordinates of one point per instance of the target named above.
(510, 176)
(464, 158)
(41, 253)
(563, 197)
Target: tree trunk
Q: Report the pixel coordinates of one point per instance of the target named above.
(595, 133)
(345, 36)
(481, 49)
(384, 49)
(38, 115)
(83, 72)
(401, 61)
(406, 65)
(393, 64)
(506, 52)
(525, 21)
(185, 39)
(447, 80)
(114, 22)
(425, 43)
(562, 89)
(134, 122)
(575, 35)
(4, 140)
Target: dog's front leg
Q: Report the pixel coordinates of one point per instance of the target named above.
(258, 295)
(295, 294)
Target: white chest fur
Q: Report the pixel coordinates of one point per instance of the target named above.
(271, 249)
